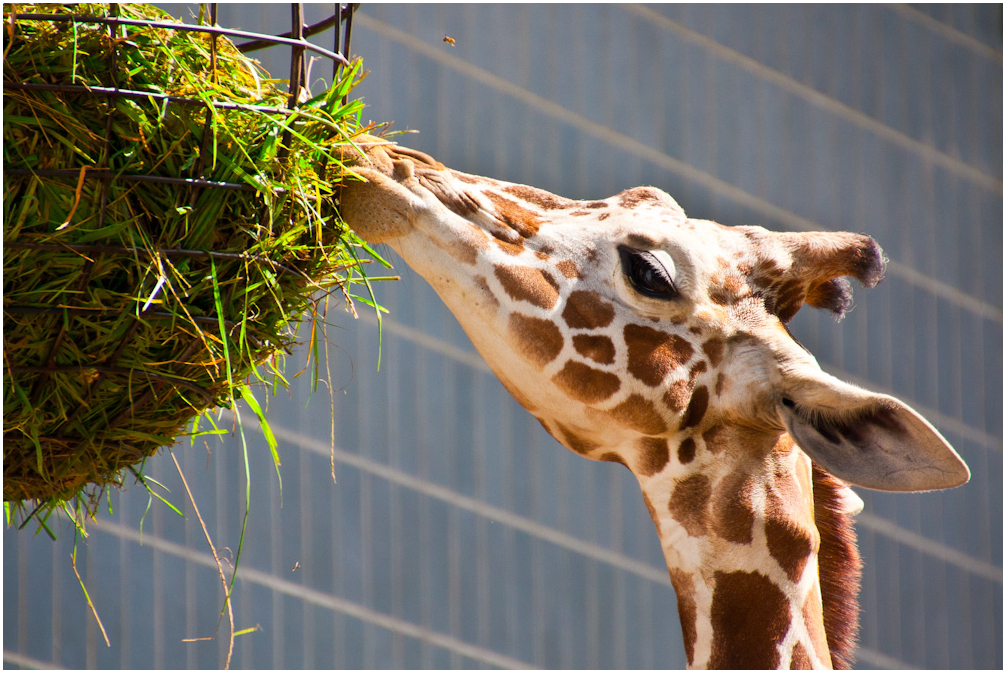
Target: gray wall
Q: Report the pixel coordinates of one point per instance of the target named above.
(458, 533)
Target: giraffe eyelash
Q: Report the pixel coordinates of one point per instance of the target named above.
(649, 272)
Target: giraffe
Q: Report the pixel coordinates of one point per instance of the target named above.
(637, 335)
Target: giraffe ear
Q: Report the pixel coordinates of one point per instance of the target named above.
(881, 444)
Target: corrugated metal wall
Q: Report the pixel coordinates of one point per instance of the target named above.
(459, 534)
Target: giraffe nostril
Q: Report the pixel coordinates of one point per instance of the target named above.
(786, 402)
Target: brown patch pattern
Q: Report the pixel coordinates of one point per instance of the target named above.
(713, 348)
(696, 408)
(631, 198)
(638, 413)
(686, 451)
(689, 504)
(748, 614)
(733, 507)
(510, 213)
(486, 294)
(716, 438)
(539, 341)
(677, 395)
(788, 542)
(525, 283)
(511, 245)
(653, 455)
(597, 348)
(721, 380)
(614, 458)
(539, 197)
(798, 660)
(575, 441)
(568, 268)
(586, 310)
(586, 384)
(653, 354)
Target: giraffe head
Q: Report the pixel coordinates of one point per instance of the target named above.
(621, 322)
(638, 335)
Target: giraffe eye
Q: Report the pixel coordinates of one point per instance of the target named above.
(650, 272)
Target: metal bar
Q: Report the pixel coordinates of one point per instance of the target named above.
(178, 252)
(108, 174)
(146, 95)
(211, 30)
(120, 371)
(313, 29)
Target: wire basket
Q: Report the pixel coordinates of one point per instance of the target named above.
(169, 215)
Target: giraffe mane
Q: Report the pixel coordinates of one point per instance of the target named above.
(840, 569)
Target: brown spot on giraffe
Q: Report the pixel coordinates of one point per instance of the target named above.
(586, 384)
(696, 408)
(525, 283)
(721, 380)
(631, 198)
(734, 285)
(716, 438)
(574, 440)
(539, 197)
(748, 611)
(653, 455)
(686, 451)
(713, 348)
(525, 222)
(567, 268)
(689, 504)
(733, 508)
(640, 414)
(539, 341)
(465, 247)
(612, 457)
(586, 310)
(789, 544)
(799, 660)
(485, 293)
(684, 588)
(600, 349)
(508, 242)
(678, 394)
(653, 354)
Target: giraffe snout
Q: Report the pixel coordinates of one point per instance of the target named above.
(377, 208)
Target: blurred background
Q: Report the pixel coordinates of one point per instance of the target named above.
(458, 534)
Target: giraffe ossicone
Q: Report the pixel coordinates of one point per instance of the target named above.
(637, 335)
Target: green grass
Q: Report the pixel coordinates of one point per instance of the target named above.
(132, 308)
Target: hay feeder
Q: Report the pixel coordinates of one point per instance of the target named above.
(169, 214)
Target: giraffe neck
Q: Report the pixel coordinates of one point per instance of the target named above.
(742, 551)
